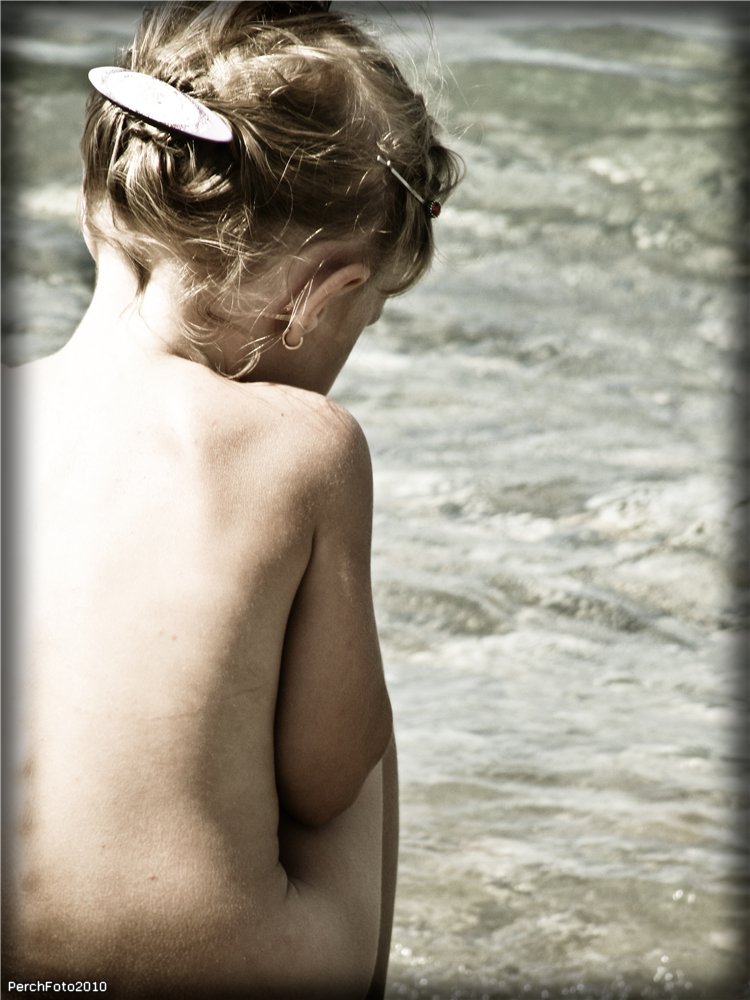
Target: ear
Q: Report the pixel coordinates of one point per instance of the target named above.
(322, 290)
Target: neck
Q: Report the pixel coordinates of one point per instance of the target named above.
(122, 318)
(123, 315)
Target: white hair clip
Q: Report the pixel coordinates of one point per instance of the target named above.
(433, 207)
(160, 102)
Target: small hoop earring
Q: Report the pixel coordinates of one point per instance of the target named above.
(287, 345)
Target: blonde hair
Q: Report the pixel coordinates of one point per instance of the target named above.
(312, 100)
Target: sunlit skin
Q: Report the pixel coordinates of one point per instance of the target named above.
(206, 795)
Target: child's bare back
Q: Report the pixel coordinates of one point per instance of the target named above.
(202, 533)
(203, 770)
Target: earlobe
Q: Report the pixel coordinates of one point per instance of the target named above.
(302, 327)
(286, 343)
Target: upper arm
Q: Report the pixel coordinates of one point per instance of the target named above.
(333, 717)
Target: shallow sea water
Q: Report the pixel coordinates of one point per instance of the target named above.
(551, 420)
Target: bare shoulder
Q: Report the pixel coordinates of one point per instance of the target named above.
(295, 454)
(317, 420)
(315, 435)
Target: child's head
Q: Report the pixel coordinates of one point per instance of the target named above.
(312, 102)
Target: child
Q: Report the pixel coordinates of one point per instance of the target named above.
(205, 802)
